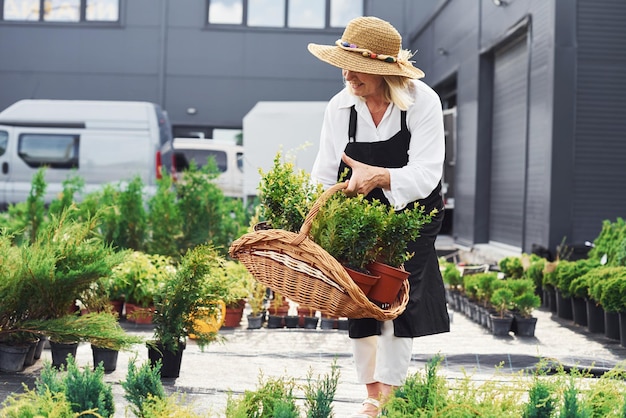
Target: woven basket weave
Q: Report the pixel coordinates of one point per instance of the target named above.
(293, 265)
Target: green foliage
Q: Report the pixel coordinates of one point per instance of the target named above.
(319, 394)
(207, 216)
(451, 275)
(84, 389)
(400, 228)
(165, 220)
(541, 403)
(142, 384)
(138, 277)
(524, 297)
(420, 395)
(597, 279)
(567, 271)
(100, 328)
(197, 283)
(132, 220)
(170, 407)
(32, 404)
(486, 284)
(272, 398)
(61, 266)
(348, 229)
(612, 290)
(535, 270)
(286, 194)
(610, 242)
(71, 187)
(572, 406)
(512, 267)
(502, 300)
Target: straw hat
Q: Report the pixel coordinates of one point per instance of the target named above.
(369, 45)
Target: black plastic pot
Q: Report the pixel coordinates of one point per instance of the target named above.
(106, 356)
(170, 361)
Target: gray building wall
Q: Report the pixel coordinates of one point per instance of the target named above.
(163, 51)
(573, 155)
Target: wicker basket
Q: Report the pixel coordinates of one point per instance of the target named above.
(296, 267)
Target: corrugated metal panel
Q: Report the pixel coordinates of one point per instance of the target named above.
(600, 134)
(508, 144)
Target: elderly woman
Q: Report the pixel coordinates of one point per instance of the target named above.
(386, 127)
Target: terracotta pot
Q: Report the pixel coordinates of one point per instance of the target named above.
(233, 317)
(363, 280)
(139, 315)
(390, 282)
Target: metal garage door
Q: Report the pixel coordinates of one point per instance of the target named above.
(508, 156)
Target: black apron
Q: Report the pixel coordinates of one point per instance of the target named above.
(426, 311)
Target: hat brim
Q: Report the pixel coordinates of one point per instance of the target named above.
(353, 61)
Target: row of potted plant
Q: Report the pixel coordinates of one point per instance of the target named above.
(501, 304)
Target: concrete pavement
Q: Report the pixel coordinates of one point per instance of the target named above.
(207, 377)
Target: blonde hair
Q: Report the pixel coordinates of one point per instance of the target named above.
(399, 91)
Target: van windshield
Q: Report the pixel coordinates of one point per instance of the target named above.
(182, 158)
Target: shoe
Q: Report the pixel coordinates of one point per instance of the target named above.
(365, 403)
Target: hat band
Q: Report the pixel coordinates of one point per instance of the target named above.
(347, 46)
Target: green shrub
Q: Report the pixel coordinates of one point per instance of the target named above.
(420, 395)
(141, 384)
(84, 389)
(272, 398)
(451, 275)
(567, 271)
(512, 267)
(609, 242)
(286, 194)
(319, 394)
(541, 403)
(32, 404)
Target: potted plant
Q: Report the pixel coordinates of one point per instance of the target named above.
(237, 279)
(613, 299)
(398, 229)
(348, 229)
(501, 300)
(256, 300)
(279, 307)
(525, 300)
(195, 283)
(138, 277)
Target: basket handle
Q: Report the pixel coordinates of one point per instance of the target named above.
(308, 221)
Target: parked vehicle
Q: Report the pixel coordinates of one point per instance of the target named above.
(177, 155)
(100, 141)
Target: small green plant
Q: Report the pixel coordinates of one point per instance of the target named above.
(165, 220)
(502, 300)
(512, 267)
(142, 384)
(399, 228)
(541, 402)
(286, 194)
(319, 394)
(196, 284)
(84, 389)
(272, 398)
(425, 395)
(451, 275)
(524, 297)
(348, 229)
(34, 404)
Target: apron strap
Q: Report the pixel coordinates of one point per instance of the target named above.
(352, 125)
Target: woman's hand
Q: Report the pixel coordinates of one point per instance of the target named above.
(365, 178)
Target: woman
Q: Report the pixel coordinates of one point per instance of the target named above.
(386, 127)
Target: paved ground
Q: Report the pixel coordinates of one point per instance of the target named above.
(207, 377)
(235, 365)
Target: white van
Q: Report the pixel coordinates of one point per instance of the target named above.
(178, 153)
(100, 141)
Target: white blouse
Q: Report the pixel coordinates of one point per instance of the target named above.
(422, 173)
